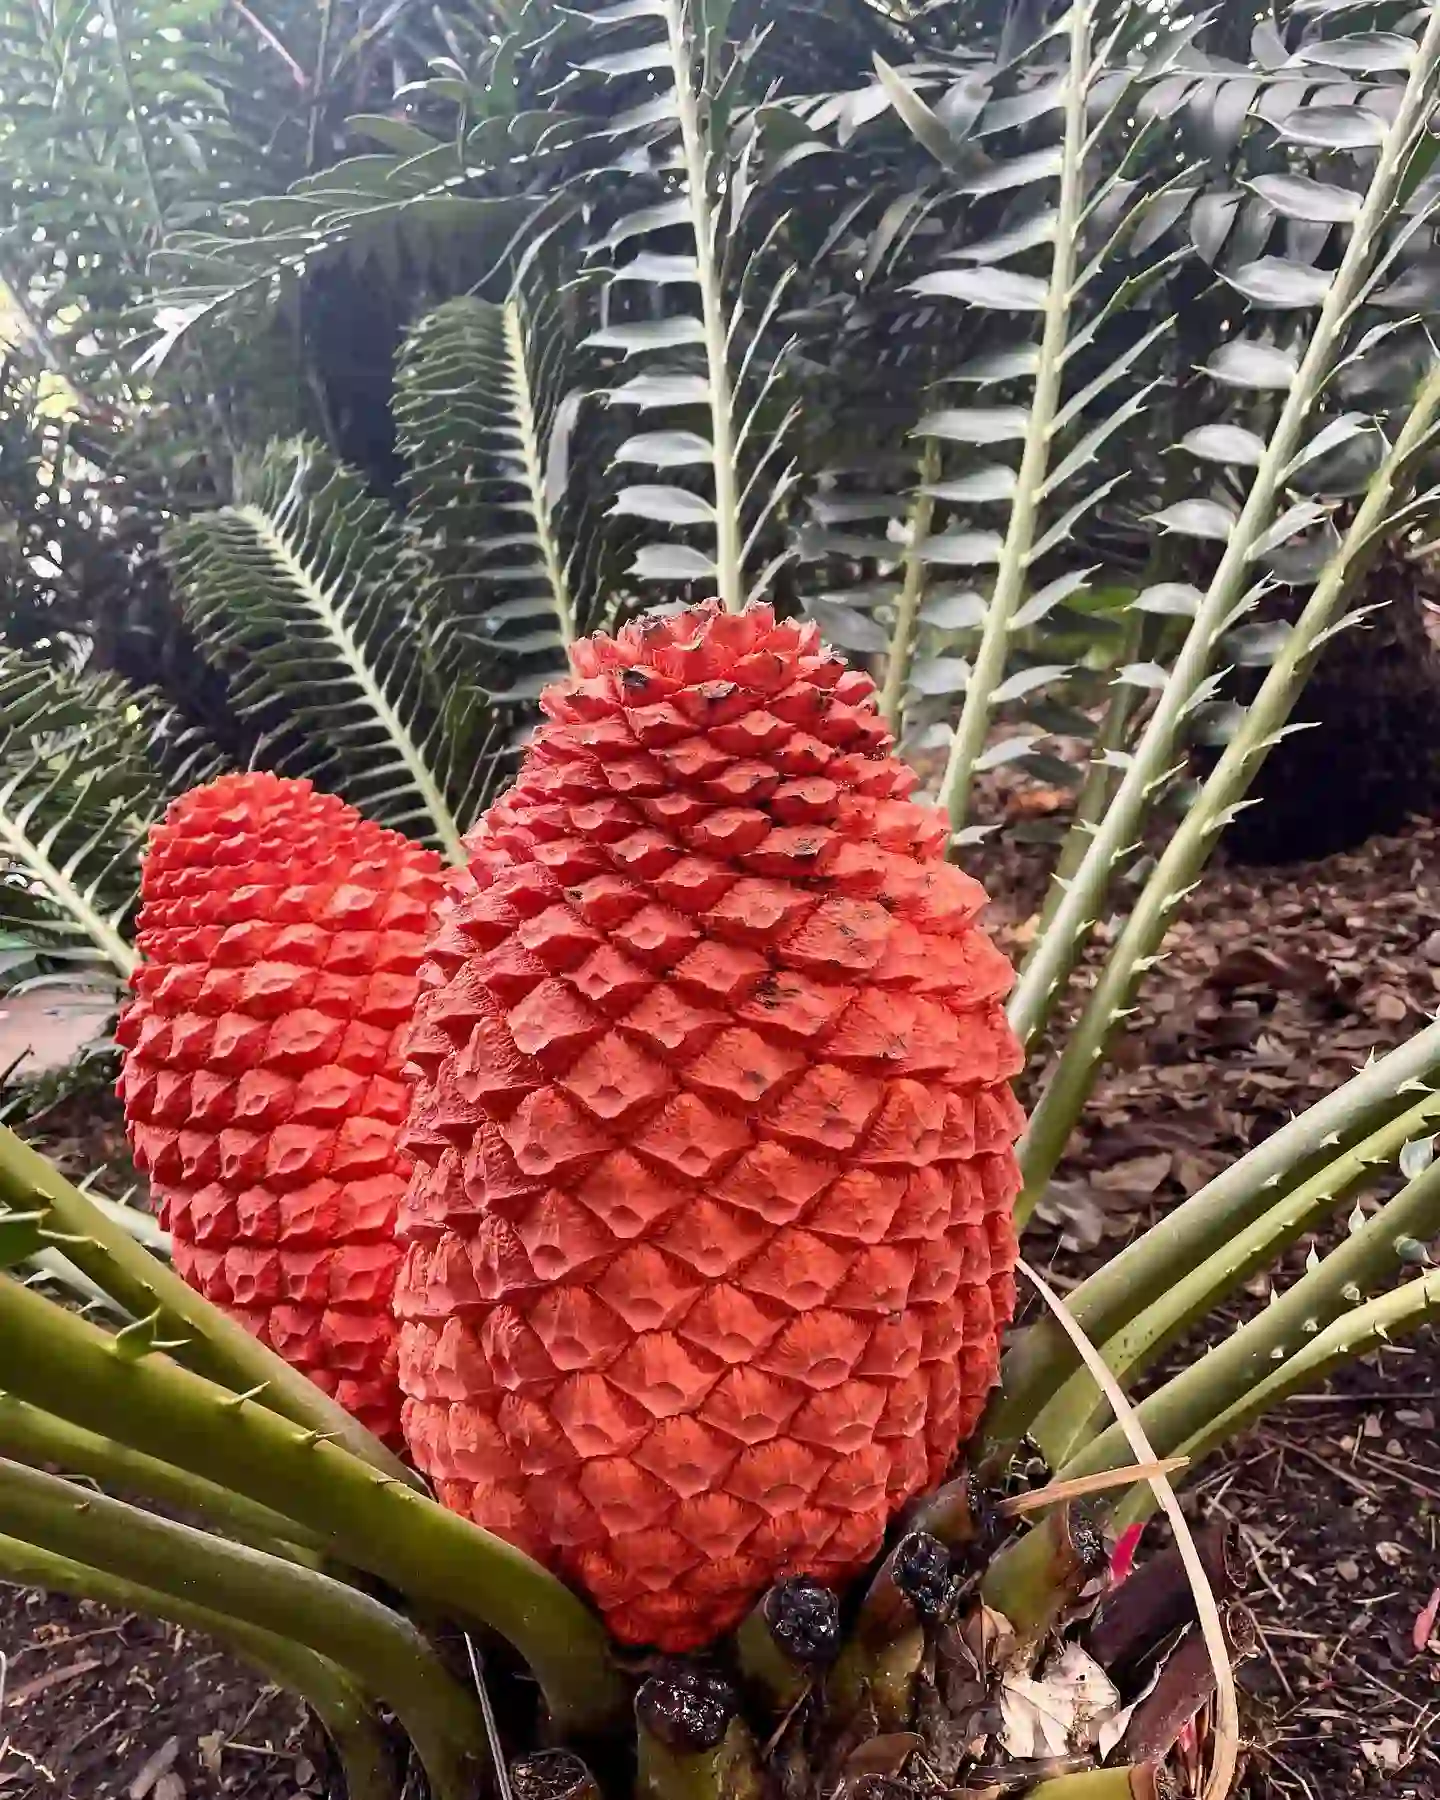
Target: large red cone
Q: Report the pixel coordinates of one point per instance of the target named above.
(710, 1226)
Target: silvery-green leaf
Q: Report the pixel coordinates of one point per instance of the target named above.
(666, 505)
(1365, 52)
(940, 675)
(1278, 99)
(1302, 560)
(671, 562)
(1330, 437)
(648, 218)
(1025, 681)
(999, 365)
(1020, 109)
(653, 268)
(848, 627)
(1158, 214)
(1256, 646)
(1272, 281)
(1064, 526)
(1197, 518)
(1039, 228)
(1333, 128)
(634, 61)
(991, 481)
(1005, 750)
(1210, 220)
(1044, 601)
(1291, 523)
(975, 424)
(1414, 290)
(661, 390)
(661, 110)
(961, 610)
(848, 509)
(928, 131)
(1244, 363)
(1002, 290)
(813, 542)
(665, 449)
(961, 105)
(1416, 1157)
(1172, 599)
(634, 335)
(1230, 444)
(1298, 197)
(1017, 171)
(938, 735)
(1148, 675)
(963, 549)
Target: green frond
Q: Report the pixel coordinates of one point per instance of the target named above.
(330, 621)
(79, 788)
(486, 432)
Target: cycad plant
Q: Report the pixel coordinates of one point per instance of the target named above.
(709, 1186)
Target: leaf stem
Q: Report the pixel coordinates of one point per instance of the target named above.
(1378, 1322)
(328, 1692)
(65, 1366)
(1039, 986)
(1011, 575)
(214, 1345)
(912, 592)
(1043, 1357)
(1189, 848)
(385, 1651)
(729, 561)
(1187, 1404)
(40, 1437)
(528, 429)
(1064, 1424)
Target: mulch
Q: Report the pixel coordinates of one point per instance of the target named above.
(1279, 984)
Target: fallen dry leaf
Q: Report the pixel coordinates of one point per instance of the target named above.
(1138, 1175)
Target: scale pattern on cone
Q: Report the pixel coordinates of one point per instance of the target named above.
(710, 1228)
(282, 936)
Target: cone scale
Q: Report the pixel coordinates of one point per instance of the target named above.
(709, 1231)
(281, 935)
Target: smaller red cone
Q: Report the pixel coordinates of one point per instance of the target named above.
(281, 934)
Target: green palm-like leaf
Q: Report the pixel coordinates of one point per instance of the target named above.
(693, 327)
(77, 796)
(485, 429)
(331, 620)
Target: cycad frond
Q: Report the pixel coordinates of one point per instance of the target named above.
(78, 791)
(330, 618)
(485, 423)
(694, 160)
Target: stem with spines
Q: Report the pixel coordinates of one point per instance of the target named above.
(1187, 1405)
(1190, 846)
(214, 1345)
(1010, 576)
(912, 592)
(65, 1366)
(1039, 987)
(1064, 1425)
(1042, 1357)
(329, 1693)
(385, 1652)
(729, 560)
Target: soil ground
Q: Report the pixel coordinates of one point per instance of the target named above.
(1278, 985)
